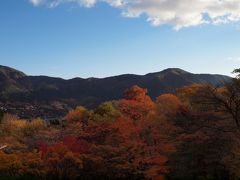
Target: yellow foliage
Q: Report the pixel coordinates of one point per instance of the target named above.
(12, 126)
(33, 127)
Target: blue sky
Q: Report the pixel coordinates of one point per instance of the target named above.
(72, 40)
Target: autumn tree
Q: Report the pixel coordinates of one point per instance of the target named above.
(79, 114)
(59, 162)
(232, 159)
(202, 143)
(17, 165)
(158, 134)
(189, 96)
(225, 99)
(155, 133)
(212, 138)
(21, 134)
(111, 150)
(105, 112)
(75, 121)
(137, 94)
(157, 147)
(168, 104)
(136, 103)
(14, 126)
(133, 138)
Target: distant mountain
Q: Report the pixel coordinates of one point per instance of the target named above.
(15, 86)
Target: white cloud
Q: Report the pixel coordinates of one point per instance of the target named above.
(179, 13)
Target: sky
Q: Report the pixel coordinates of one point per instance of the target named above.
(100, 38)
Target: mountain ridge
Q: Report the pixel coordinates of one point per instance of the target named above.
(16, 86)
(167, 70)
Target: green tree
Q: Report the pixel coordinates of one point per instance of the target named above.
(105, 112)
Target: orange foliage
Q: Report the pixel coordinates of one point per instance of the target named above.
(137, 94)
(168, 104)
(60, 162)
(127, 128)
(77, 115)
(20, 164)
(189, 94)
(128, 139)
(186, 91)
(137, 104)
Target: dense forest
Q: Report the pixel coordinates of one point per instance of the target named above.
(191, 134)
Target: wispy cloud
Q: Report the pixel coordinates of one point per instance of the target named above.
(36, 2)
(233, 59)
(54, 3)
(179, 13)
